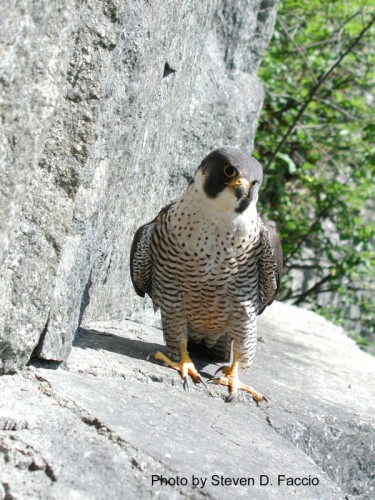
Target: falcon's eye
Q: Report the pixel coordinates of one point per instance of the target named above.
(230, 171)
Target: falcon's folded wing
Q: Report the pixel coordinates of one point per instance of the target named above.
(140, 256)
(270, 266)
(140, 260)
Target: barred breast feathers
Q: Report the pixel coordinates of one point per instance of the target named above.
(198, 255)
(190, 239)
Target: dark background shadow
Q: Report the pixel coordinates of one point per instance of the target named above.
(136, 349)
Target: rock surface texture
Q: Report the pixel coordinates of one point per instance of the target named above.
(110, 422)
(107, 108)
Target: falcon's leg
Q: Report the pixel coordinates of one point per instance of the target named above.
(185, 366)
(232, 380)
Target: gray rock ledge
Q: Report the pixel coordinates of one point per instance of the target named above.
(109, 420)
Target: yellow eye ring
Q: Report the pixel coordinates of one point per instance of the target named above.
(230, 171)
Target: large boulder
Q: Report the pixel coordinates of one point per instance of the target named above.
(108, 107)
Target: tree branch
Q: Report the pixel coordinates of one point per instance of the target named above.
(311, 229)
(313, 290)
(314, 90)
(337, 108)
(327, 41)
(300, 52)
(307, 266)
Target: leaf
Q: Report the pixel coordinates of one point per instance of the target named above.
(288, 160)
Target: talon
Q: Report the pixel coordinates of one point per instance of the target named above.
(230, 397)
(218, 370)
(197, 379)
(231, 379)
(185, 366)
(200, 379)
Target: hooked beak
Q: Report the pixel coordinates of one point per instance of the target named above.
(240, 185)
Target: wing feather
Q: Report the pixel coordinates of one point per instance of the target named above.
(270, 266)
(140, 256)
(140, 260)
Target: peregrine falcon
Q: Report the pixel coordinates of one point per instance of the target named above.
(211, 265)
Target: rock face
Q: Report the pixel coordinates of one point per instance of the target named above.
(107, 108)
(112, 424)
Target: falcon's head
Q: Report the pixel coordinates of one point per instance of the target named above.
(230, 179)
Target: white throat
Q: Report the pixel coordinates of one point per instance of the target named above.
(220, 210)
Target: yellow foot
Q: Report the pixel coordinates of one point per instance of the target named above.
(185, 366)
(231, 379)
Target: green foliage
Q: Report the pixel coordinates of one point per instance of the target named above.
(319, 187)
